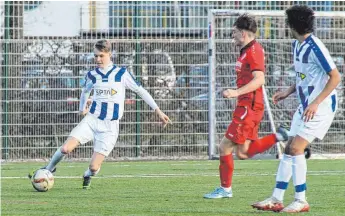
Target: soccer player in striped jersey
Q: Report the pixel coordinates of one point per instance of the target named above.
(316, 80)
(101, 121)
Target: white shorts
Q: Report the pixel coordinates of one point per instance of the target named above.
(104, 133)
(314, 128)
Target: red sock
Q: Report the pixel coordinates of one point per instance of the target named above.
(261, 145)
(226, 169)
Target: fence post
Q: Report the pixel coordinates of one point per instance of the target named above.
(138, 74)
(6, 63)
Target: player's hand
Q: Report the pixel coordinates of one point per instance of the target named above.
(230, 93)
(87, 108)
(164, 118)
(88, 103)
(310, 111)
(83, 113)
(278, 96)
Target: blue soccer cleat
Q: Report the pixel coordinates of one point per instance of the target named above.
(218, 193)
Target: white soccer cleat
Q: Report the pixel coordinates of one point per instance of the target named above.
(269, 204)
(297, 206)
(218, 193)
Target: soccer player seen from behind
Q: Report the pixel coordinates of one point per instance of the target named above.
(316, 80)
(101, 121)
(243, 130)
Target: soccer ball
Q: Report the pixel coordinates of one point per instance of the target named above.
(42, 180)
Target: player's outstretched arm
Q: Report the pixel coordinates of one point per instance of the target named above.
(131, 83)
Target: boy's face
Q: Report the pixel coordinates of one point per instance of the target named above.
(293, 33)
(102, 58)
(237, 36)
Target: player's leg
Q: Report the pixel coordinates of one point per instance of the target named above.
(251, 128)
(226, 169)
(284, 173)
(314, 128)
(235, 135)
(94, 167)
(82, 133)
(299, 172)
(263, 144)
(104, 142)
(70, 144)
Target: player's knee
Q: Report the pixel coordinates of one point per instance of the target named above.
(94, 167)
(295, 150)
(70, 144)
(241, 155)
(223, 148)
(65, 150)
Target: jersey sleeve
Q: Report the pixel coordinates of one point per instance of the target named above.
(131, 83)
(256, 59)
(85, 93)
(323, 58)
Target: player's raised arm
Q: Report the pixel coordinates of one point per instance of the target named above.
(134, 85)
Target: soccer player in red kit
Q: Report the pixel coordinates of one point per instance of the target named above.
(243, 130)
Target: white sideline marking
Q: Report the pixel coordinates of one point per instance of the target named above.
(174, 175)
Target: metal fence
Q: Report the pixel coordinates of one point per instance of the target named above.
(163, 43)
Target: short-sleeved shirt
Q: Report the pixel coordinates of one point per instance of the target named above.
(312, 63)
(252, 58)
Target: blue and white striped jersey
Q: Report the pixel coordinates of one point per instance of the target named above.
(312, 63)
(109, 92)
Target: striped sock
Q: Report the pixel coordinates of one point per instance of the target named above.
(299, 175)
(283, 177)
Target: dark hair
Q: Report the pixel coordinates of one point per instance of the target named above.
(301, 19)
(103, 45)
(246, 22)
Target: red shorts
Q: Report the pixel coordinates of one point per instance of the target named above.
(245, 124)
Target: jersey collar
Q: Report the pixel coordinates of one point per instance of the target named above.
(247, 46)
(107, 68)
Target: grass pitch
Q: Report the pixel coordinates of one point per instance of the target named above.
(165, 188)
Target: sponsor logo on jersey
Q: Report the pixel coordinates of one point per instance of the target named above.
(301, 75)
(104, 92)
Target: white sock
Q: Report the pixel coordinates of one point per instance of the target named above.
(283, 177)
(88, 172)
(299, 176)
(226, 189)
(57, 157)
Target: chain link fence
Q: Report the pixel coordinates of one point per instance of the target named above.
(45, 55)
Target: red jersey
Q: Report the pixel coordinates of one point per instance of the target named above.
(252, 58)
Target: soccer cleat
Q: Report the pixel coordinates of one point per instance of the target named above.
(284, 132)
(218, 193)
(270, 204)
(87, 182)
(33, 172)
(296, 206)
